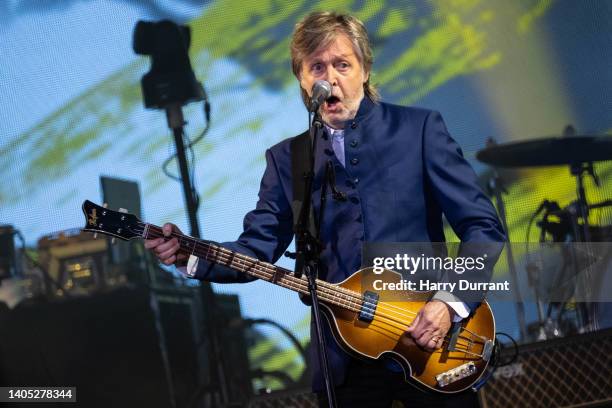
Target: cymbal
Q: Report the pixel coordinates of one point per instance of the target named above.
(552, 151)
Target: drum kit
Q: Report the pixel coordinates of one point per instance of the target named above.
(569, 225)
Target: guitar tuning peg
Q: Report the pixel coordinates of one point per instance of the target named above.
(123, 210)
(95, 235)
(105, 205)
(113, 240)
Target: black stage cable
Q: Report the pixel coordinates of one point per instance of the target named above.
(514, 344)
(189, 146)
(495, 360)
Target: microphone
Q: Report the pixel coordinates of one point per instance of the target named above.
(321, 90)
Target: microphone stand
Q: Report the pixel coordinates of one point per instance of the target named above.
(308, 249)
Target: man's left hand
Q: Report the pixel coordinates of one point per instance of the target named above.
(431, 325)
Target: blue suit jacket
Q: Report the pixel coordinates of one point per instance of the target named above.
(403, 171)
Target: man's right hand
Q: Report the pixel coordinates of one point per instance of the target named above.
(166, 250)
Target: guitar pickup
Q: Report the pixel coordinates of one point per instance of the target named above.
(368, 307)
(456, 374)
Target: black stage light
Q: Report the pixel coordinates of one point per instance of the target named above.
(171, 79)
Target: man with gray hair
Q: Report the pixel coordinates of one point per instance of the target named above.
(402, 170)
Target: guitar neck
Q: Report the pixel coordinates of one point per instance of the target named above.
(127, 226)
(245, 264)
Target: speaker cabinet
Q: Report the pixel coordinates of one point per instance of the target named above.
(107, 345)
(568, 372)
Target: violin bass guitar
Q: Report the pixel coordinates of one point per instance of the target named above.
(363, 322)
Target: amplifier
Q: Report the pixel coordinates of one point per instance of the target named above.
(75, 260)
(573, 371)
(82, 265)
(129, 347)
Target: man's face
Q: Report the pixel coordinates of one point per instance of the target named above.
(339, 65)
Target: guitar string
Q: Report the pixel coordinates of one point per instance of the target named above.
(330, 287)
(246, 262)
(300, 282)
(291, 282)
(267, 274)
(354, 305)
(247, 265)
(256, 265)
(263, 270)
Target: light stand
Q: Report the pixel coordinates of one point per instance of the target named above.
(174, 114)
(169, 85)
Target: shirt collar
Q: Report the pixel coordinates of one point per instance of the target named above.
(366, 107)
(336, 133)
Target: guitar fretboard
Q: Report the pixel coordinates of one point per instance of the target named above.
(216, 254)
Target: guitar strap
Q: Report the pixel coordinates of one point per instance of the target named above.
(301, 146)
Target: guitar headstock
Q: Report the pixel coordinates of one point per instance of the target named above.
(117, 224)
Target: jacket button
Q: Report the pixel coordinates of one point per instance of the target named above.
(354, 143)
(354, 200)
(352, 183)
(354, 125)
(354, 161)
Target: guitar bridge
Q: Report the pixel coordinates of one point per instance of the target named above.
(456, 374)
